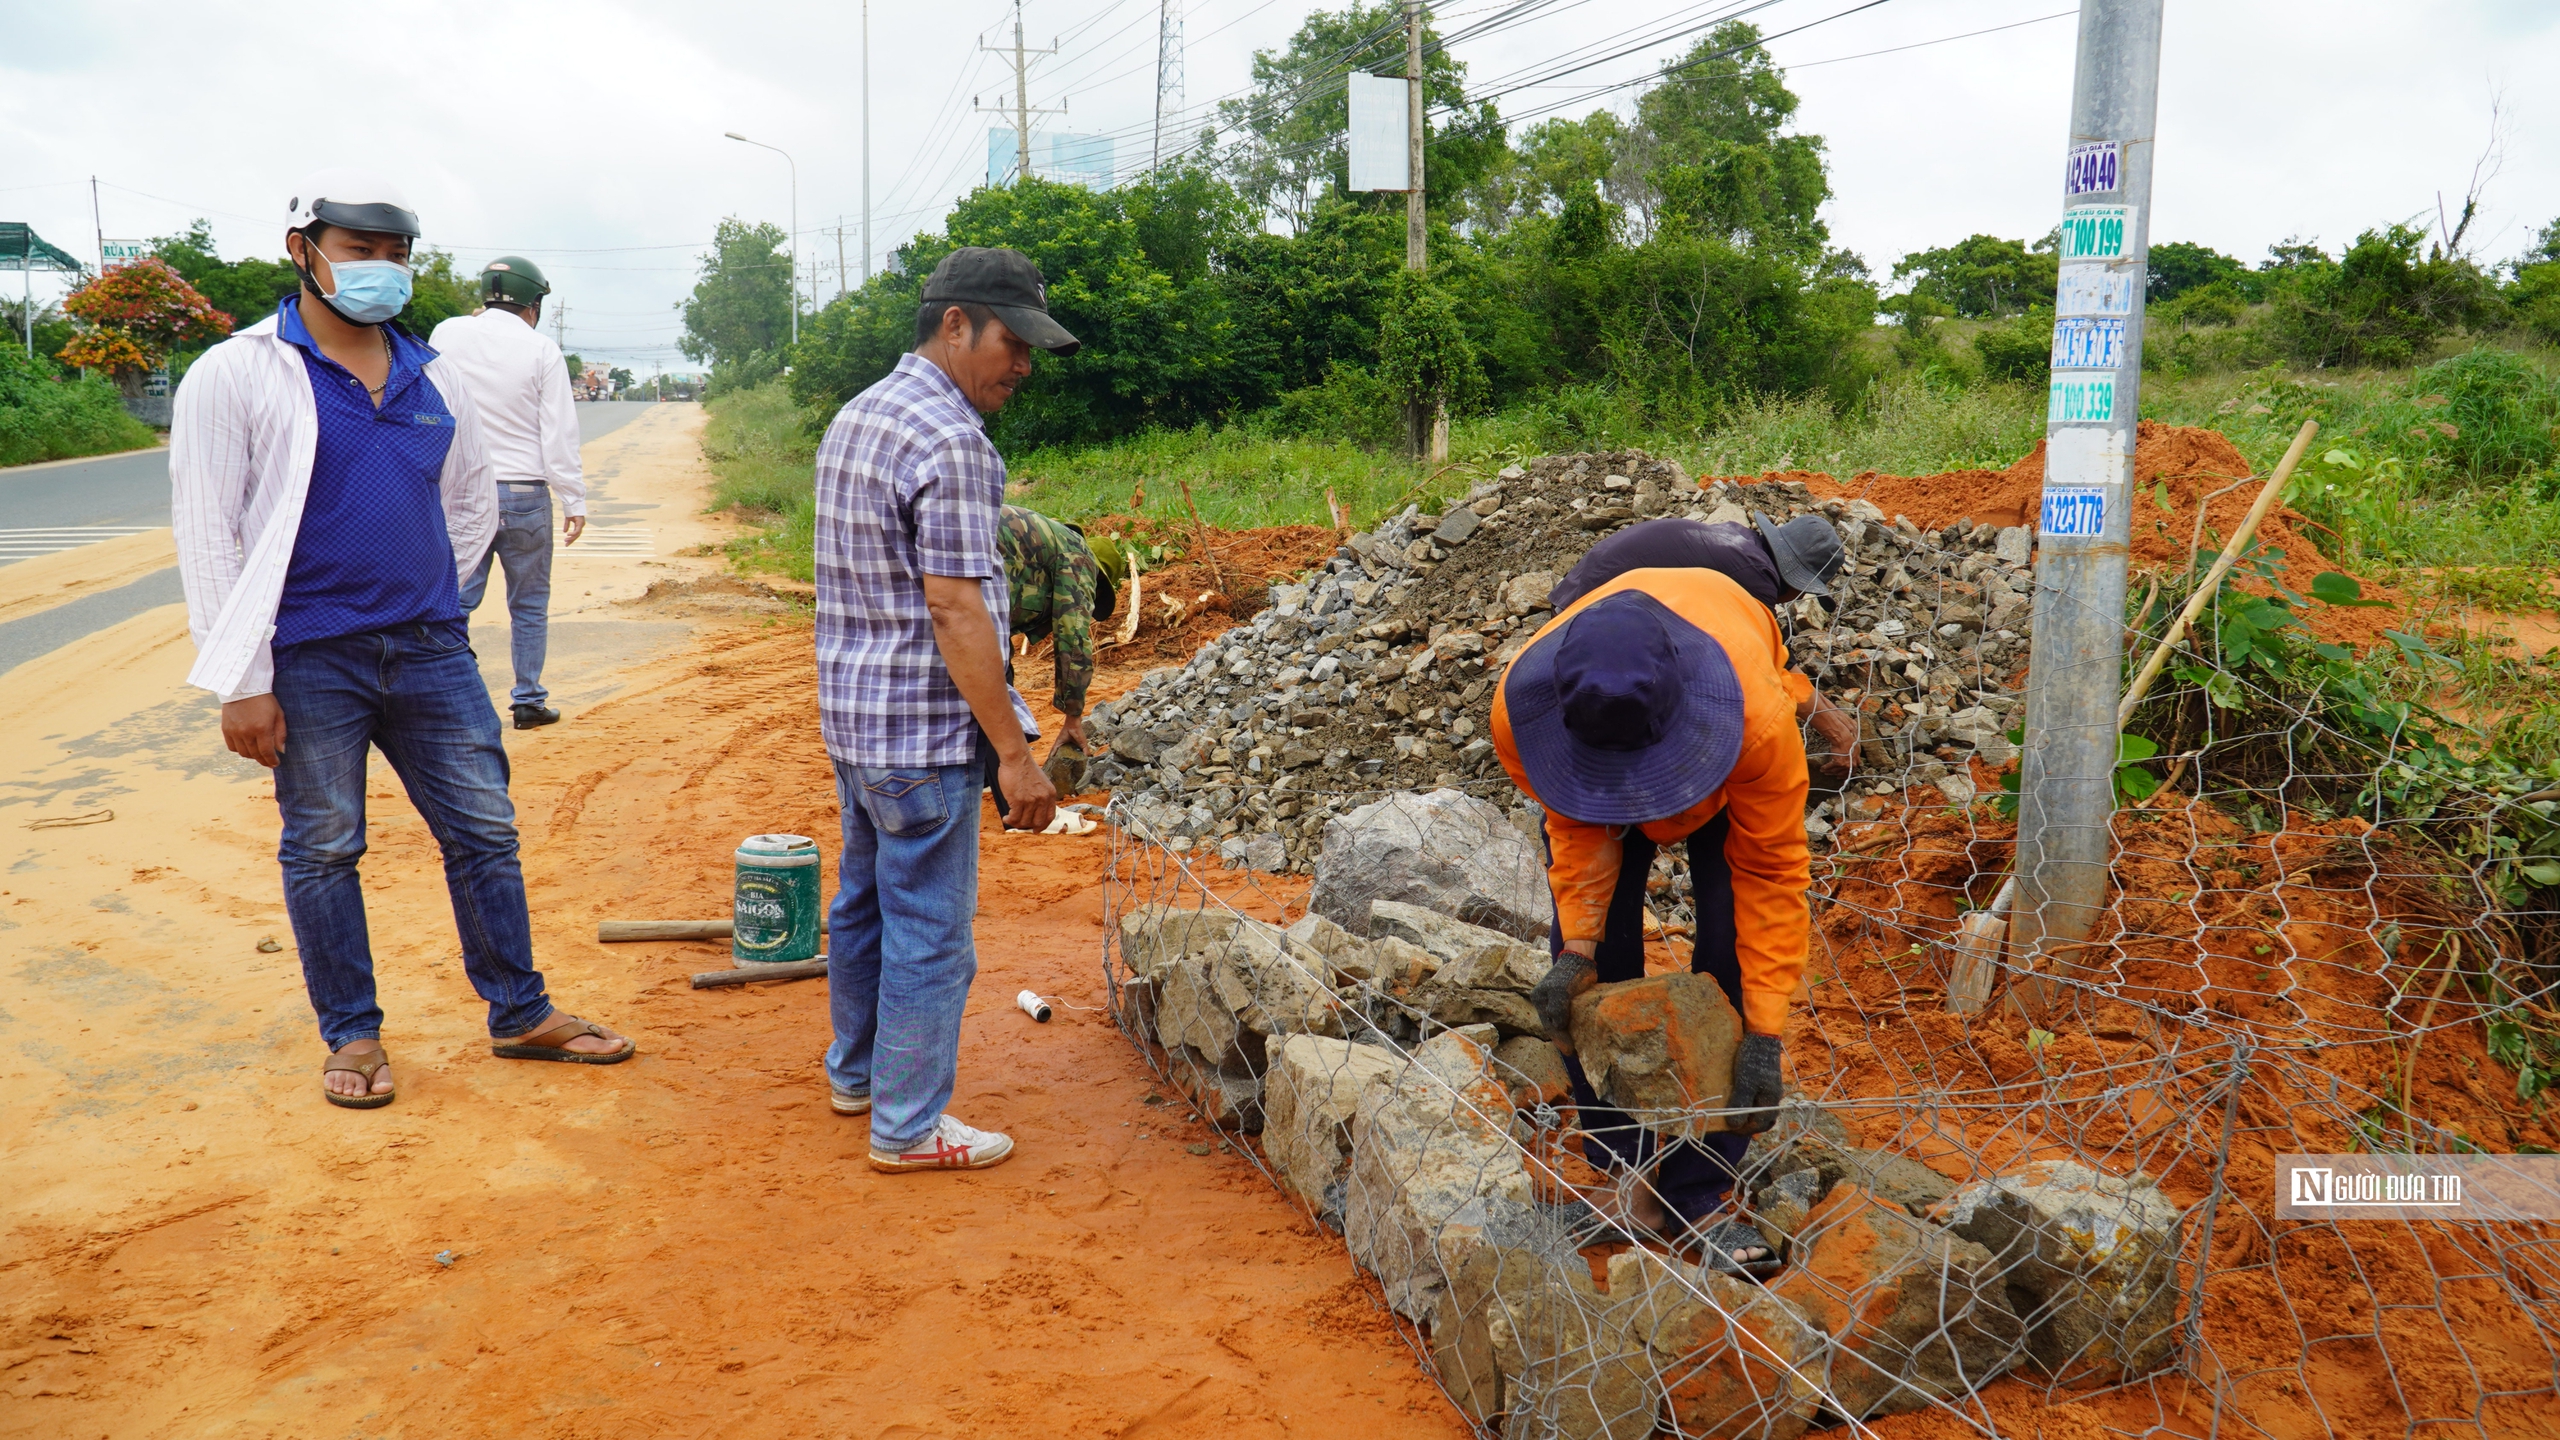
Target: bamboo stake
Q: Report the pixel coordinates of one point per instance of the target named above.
(1200, 531)
(2266, 501)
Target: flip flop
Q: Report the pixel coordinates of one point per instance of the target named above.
(551, 1043)
(1718, 1243)
(367, 1065)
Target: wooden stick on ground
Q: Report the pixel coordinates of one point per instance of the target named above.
(2212, 581)
(610, 932)
(1200, 531)
(750, 974)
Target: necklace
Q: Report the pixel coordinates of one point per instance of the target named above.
(375, 391)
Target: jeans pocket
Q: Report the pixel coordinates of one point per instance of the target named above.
(904, 803)
(439, 638)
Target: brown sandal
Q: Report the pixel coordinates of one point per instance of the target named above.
(551, 1042)
(367, 1066)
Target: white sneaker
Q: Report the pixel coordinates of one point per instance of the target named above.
(951, 1146)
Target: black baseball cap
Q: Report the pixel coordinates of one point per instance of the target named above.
(1006, 282)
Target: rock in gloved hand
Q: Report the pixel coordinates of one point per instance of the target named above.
(1756, 1086)
(1553, 996)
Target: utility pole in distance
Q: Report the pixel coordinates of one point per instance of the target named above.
(1021, 110)
(866, 142)
(1419, 421)
(1168, 72)
(2075, 671)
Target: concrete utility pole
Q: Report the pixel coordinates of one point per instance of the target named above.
(839, 257)
(560, 325)
(1022, 111)
(2076, 665)
(1413, 256)
(1425, 427)
(97, 219)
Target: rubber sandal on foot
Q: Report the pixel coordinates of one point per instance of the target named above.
(552, 1040)
(366, 1065)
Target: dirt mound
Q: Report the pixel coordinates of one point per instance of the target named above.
(2197, 468)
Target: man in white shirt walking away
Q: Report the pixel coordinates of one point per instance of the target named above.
(520, 383)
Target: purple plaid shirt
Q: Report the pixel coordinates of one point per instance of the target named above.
(908, 486)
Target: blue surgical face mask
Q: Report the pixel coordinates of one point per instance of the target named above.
(369, 291)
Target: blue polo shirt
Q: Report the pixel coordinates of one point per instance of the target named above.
(372, 551)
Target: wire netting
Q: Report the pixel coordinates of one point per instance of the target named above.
(2011, 1194)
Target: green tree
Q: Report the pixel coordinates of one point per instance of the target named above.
(1423, 352)
(741, 307)
(246, 290)
(1714, 155)
(1292, 153)
(2380, 303)
(621, 378)
(1982, 276)
(437, 293)
(577, 367)
(2180, 266)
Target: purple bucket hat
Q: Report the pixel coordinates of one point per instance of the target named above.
(1625, 715)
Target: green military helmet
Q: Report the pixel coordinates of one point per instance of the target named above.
(514, 279)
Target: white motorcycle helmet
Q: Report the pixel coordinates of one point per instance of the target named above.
(353, 200)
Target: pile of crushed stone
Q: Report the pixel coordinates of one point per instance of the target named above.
(1376, 672)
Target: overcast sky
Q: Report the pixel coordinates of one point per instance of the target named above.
(587, 134)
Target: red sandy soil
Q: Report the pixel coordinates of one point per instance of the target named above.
(2192, 463)
(687, 1245)
(2366, 1327)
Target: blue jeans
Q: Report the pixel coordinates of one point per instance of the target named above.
(414, 692)
(523, 545)
(900, 954)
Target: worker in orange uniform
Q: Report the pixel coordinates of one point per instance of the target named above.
(1656, 711)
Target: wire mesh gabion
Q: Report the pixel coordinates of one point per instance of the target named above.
(2050, 1210)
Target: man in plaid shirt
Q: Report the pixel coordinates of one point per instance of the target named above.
(912, 615)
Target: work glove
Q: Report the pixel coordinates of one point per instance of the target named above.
(1553, 996)
(1756, 1087)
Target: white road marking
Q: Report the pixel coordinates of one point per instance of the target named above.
(620, 541)
(26, 544)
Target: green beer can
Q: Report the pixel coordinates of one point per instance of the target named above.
(776, 916)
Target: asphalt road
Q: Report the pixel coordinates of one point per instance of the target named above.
(133, 489)
(129, 490)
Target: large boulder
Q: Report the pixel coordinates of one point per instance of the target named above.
(1533, 1070)
(1310, 1095)
(2089, 1261)
(1478, 1329)
(1274, 985)
(1730, 1360)
(1660, 1048)
(1226, 1100)
(1191, 1014)
(1487, 985)
(1432, 1164)
(1445, 939)
(1584, 1375)
(1914, 1314)
(1445, 851)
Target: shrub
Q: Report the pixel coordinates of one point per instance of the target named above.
(2018, 351)
(43, 417)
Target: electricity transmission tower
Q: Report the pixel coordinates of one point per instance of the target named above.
(1168, 71)
(1022, 110)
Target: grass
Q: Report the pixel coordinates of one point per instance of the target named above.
(2424, 515)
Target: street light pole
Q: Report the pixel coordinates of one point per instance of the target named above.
(795, 224)
(866, 142)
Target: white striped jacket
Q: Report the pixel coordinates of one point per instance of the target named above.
(241, 442)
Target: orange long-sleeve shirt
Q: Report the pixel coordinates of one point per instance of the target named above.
(1765, 793)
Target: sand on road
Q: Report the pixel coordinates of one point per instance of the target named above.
(194, 1244)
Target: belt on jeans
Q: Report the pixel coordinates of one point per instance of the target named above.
(534, 484)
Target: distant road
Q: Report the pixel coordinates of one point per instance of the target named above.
(116, 493)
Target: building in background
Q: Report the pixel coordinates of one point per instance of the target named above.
(1069, 159)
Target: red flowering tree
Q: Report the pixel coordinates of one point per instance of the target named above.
(133, 316)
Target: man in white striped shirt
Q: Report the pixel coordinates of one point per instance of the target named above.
(329, 487)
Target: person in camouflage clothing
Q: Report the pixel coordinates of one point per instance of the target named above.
(1058, 591)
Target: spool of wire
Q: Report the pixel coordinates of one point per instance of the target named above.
(1033, 1006)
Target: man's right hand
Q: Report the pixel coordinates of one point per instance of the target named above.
(1031, 802)
(1553, 996)
(254, 728)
